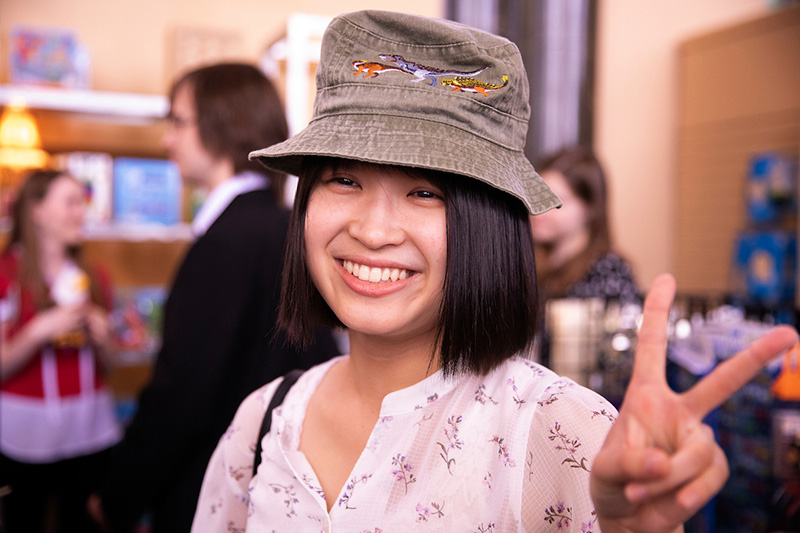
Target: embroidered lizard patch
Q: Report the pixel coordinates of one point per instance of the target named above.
(422, 72)
(464, 83)
(371, 69)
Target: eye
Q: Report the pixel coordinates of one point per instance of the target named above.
(344, 181)
(427, 194)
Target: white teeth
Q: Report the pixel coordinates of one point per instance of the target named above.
(374, 274)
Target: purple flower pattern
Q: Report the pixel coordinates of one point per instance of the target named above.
(453, 442)
(290, 497)
(425, 512)
(560, 515)
(482, 397)
(350, 488)
(517, 400)
(502, 451)
(570, 446)
(402, 471)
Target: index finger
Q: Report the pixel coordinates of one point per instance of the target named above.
(731, 375)
(650, 361)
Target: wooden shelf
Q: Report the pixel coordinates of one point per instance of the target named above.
(120, 106)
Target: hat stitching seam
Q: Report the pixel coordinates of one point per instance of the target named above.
(405, 117)
(427, 46)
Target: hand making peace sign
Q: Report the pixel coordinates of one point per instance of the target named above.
(660, 464)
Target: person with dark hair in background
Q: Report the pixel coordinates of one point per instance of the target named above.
(574, 252)
(219, 336)
(56, 415)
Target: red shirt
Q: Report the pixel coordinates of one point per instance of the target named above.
(28, 380)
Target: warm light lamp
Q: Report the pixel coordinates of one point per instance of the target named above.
(20, 144)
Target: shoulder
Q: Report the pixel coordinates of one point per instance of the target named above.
(255, 204)
(610, 276)
(537, 384)
(612, 261)
(250, 217)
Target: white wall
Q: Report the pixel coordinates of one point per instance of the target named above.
(636, 120)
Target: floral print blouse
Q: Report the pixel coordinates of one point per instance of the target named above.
(510, 451)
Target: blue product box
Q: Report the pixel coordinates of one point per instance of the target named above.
(766, 261)
(147, 191)
(771, 187)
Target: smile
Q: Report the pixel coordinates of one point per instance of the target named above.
(375, 274)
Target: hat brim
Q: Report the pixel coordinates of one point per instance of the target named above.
(404, 141)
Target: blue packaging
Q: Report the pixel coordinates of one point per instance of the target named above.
(771, 187)
(766, 262)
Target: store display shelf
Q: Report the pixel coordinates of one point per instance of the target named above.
(104, 103)
(138, 232)
(113, 231)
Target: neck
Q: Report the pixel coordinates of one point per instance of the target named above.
(220, 172)
(567, 249)
(52, 257)
(379, 366)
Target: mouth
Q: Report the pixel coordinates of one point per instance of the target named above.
(374, 274)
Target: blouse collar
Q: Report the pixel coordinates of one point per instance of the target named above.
(419, 395)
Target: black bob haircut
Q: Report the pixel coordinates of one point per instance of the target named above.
(489, 305)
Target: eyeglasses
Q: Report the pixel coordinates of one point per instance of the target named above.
(180, 122)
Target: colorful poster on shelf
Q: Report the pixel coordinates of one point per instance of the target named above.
(147, 191)
(95, 171)
(47, 56)
(136, 321)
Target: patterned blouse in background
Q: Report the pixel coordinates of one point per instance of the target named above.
(610, 277)
(510, 451)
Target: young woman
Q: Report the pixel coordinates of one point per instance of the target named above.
(574, 253)
(411, 229)
(56, 415)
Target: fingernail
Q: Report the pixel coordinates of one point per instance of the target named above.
(635, 492)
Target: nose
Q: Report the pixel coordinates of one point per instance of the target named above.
(379, 222)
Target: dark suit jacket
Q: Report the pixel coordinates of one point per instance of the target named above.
(219, 344)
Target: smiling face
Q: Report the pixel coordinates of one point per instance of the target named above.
(59, 215)
(376, 249)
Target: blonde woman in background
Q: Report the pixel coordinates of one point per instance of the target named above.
(56, 415)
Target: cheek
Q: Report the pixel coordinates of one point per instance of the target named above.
(434, 239)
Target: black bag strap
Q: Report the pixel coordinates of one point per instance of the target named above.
(277, 398)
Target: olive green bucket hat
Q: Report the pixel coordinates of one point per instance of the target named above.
(400, 89)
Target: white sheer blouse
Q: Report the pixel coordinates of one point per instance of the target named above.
(510, 451)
